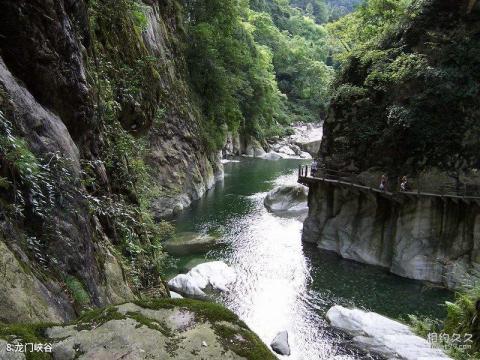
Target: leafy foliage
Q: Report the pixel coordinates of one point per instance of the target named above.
(127, 96)
(412, 90)
(371, 21)
(256, 66)
(34, 188)
(232, 74)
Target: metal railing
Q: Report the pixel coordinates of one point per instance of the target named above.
(414, 186)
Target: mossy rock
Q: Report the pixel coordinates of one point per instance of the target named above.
(154, 329)
(190, 243)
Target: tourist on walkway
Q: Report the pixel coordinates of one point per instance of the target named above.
(383, 183)
(314, 168)
(404, 184)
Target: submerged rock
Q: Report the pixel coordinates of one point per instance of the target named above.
(160, 329)
(288, 198)
(215, 275)
(280, 343)
(190, 243)
(381, 335)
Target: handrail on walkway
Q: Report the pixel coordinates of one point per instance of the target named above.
(462, 191)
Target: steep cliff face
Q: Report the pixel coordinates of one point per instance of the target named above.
(410, 102)
(94, 111)
(422, 238)
(182, 166)
(408, 106)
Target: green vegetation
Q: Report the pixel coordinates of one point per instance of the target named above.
(93, 318)
(370, 23)
(253, 348)
(77, 291)
(127, 93)
(399, 93)
(26, 334)
(257, 67)
(460, 327)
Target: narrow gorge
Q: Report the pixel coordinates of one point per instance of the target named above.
(191, 179)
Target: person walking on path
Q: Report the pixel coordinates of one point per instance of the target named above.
(314, 168)
(404, 184)
(383, 183)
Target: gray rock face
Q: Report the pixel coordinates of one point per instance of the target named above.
(280, 344)
(424, 238)
(381, 335)
(253, 148)
(8, 355)
(45, 93)
(184, 170)
(287, 198)
(73, 247)
(155, 333)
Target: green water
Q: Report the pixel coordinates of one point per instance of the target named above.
(283, 284)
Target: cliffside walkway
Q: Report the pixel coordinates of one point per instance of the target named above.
(465, 193)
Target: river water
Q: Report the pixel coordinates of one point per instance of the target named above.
(284, 284)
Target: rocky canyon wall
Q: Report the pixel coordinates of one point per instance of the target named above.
(81, 85)
(423, 238)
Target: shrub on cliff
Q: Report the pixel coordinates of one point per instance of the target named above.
(408, 99)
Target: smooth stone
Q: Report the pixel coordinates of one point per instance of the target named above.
(272, 155)
(287, 198)
(215, 275)
(305, 155)
(186, 285)
(280, 343)
(189, 243)
(379, 334)
(287, 150)
(174, 295)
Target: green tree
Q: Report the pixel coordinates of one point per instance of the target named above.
(369, 23)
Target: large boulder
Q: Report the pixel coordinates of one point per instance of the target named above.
(254, 149)
(157, 330)
(287, 198)
(272, 155)
(187, 286)
(280, 343)
(312, 147)
(174, 295)
(376, 333)
(215, 275)
(306, 155)
(287, 150)
(190, 243)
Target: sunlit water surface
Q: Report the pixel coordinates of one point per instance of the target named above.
(284, 284)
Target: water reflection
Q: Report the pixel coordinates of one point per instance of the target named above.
(282, 283)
